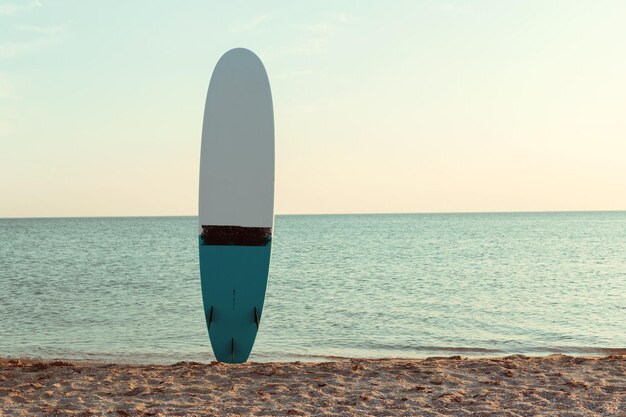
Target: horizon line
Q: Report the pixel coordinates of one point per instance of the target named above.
(331, 214)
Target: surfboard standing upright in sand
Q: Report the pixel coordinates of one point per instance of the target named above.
(236, 202)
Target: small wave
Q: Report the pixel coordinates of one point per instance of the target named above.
(455, 349)
(408, 352)
(581, 350)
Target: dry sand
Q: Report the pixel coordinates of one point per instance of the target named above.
(511, 386)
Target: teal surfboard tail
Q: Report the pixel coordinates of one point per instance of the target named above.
(234, 280)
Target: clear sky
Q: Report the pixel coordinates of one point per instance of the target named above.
(385, 106)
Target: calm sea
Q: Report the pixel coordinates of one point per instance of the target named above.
(413, 285)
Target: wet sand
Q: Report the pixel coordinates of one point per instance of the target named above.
(555, 385)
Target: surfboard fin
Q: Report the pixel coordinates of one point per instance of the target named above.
(256, 318)
(210, 318)
(232, 348)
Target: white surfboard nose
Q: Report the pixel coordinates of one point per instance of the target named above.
(237, 158)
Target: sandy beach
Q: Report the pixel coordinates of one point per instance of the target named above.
(508, 386)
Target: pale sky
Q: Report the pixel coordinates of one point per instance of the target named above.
(386, 106)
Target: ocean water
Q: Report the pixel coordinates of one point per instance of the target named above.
(411, 285)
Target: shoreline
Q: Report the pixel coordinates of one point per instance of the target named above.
(435, 386)
(465, 353)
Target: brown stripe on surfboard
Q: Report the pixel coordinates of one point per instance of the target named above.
(235, 235)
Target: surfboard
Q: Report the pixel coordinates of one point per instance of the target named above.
(236, 202)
